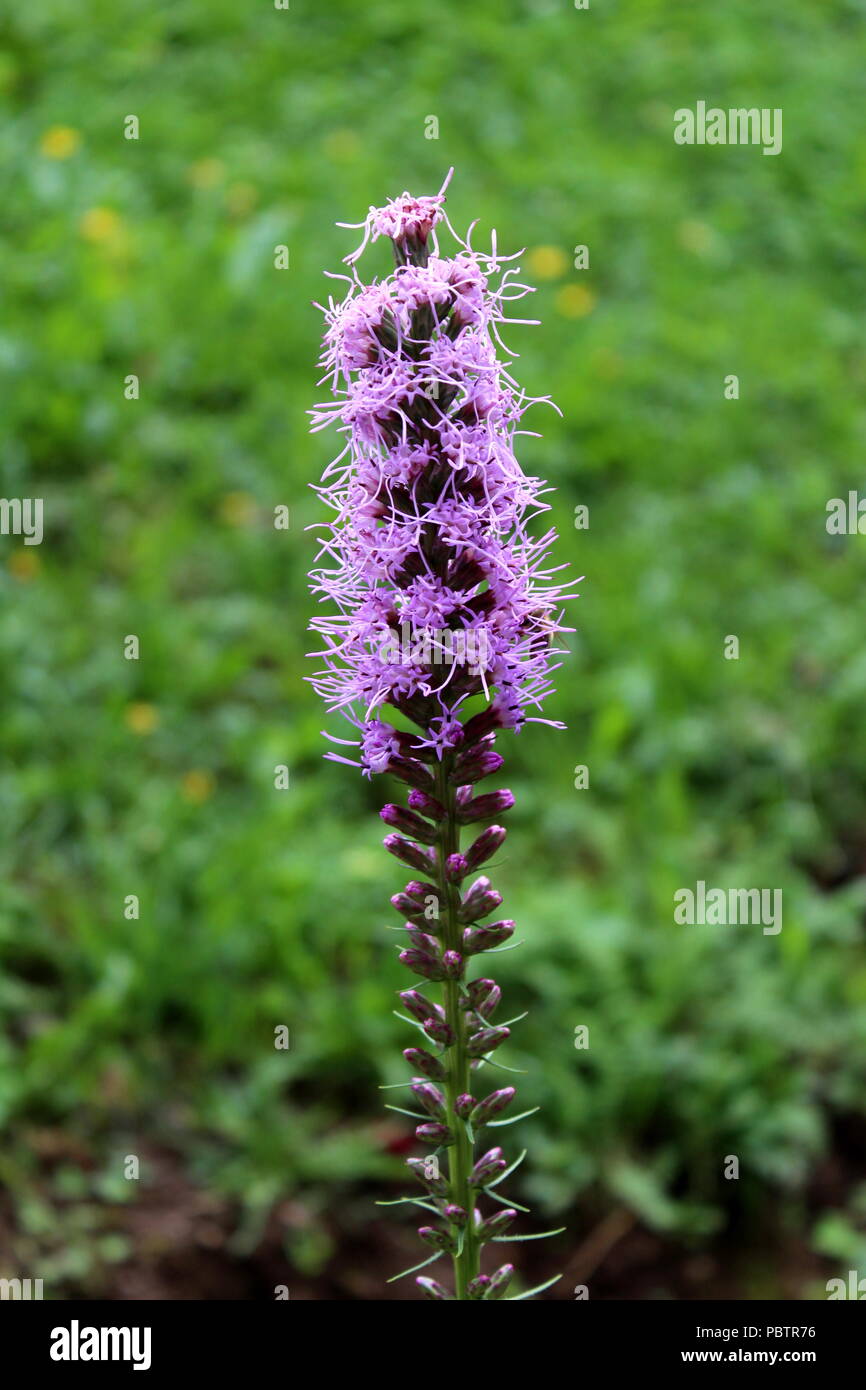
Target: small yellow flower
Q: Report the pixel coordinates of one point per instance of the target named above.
(24, 565)
(547, 262)
(100, 225)
(141, 718)
(574, 301)
(59, 142)
(197, 786)
(238, 509)
(206, 173)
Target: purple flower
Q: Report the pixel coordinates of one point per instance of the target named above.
(435, 598)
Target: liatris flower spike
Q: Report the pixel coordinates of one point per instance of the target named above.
(441, 607)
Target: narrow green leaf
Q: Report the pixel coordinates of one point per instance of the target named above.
(504, 1201)
(542, 1235)
(500, 1124)
(415, 1268)
(413, 1114)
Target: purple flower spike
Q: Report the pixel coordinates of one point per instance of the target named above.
(435, 598)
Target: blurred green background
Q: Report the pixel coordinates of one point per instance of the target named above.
(154, 1037)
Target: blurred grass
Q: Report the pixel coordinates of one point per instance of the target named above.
(258, 907)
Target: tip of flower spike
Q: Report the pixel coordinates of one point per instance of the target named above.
(404, 220)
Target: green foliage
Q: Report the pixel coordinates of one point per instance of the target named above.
(259, 907)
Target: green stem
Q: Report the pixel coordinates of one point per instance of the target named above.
(458, 1083)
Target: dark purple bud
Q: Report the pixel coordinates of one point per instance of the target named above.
(409, 909)
(411, 771)
(439, 1239)
(483, 996)
(408, 822)
(426, 805)
(437, 1134)
(456, 868)
(439, 1031)
(434, 1290)
(464, 1105)
(453, 963)
(425, 1062)
(456, 1215)
(476, 766)
(413, 855)
(485, 846)
(481, 724)
(421, 941)
(478, 901)
(489, 1165)
(484, 938)
(477, 1288)
(491, 1105)
(419, 1007)
(430, 1097)
(471, 808)
(497, 1224)
(425, 1172)
(485, 1041)
(500, 1280)
(422, 964)
(422, 891)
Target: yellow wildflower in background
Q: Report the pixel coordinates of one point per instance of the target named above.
(24, 565)
(197, 786)
(547, 262)
(59, 142)
(574, 301)
(141, 717)
(100, 225)
(238, 509)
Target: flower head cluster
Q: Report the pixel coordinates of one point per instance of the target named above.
(437, 595)
(430, 504)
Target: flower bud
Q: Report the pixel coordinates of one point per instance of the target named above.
(485, 1041)
(439, 1031)
(430, 1097)
(421, 1169)
(408, 822)
(433, 1289)
(425, 1062)
(456, 1215)
(489, 1165)
(453, 963)
(491, 1105)
(409, 909)
(456, 868)
(426, 805)
(484, 847)
(483, 996)
(484, 938)
(411, 771)
(413, 855)
(440, 1240)
(419, 1007)
(500, 1280)
(421, 941)
(497, 1224)
(464, 1105)
(422, 964)
(480, 900)
(477, 1288)
(474, 766)
(471, 808)
(434, 1133)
